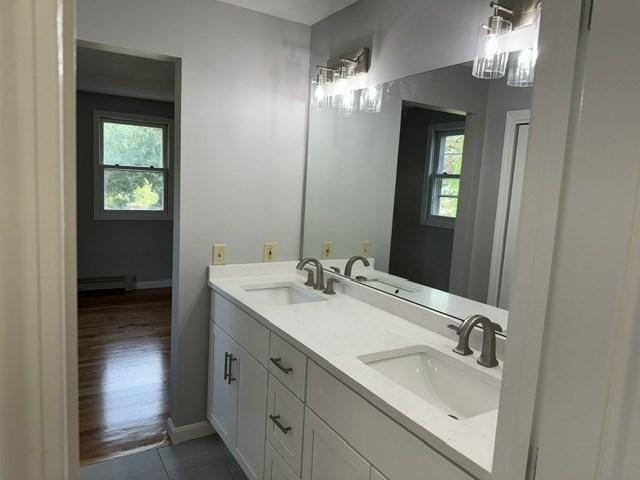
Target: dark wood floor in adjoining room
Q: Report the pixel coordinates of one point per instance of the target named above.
(123, 354)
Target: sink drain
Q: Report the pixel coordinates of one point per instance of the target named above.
(454, 417)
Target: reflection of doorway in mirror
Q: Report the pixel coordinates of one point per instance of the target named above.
(508, 208)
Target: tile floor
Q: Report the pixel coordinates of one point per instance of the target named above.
(201, 459)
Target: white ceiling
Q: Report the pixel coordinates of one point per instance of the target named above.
(303, 11)
(125, 75)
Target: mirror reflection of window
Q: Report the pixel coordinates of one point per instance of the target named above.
(447, 142)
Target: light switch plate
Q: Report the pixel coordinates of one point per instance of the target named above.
(327, 249)
(219, 254)
(270, 252)
(365, 248)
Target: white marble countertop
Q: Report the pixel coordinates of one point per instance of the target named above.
(334, 333)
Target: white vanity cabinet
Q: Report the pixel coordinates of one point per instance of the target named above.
(237, 398)
(284, 417)
(223, 396)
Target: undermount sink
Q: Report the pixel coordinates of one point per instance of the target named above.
(280, 294)
(459, 390)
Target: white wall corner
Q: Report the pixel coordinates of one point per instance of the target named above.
(188, 432)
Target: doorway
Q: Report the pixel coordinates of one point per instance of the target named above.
(508, 208)
(126, 172)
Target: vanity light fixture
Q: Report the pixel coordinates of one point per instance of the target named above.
(339, 84)
(522, 70)
(498, 39)
(491, 58)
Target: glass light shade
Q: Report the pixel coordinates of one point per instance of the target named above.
(321, 91)
(343, 94)
(522, 70)
(339, 87)
(318, 96)
(371, 99)
(347, 103)
(491, 59)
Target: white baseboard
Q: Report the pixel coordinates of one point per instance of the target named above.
(153, 284)
(185, 433)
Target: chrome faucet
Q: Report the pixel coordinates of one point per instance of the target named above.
(488, 356)
(349, 266)
(319, 285)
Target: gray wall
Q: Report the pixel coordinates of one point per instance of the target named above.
(405, 36)
(111, 247)
(501, 99)
(242, 120)
(419, 252)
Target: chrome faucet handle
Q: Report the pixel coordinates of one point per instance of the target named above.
(455, 328)
(330, 283)
(335, 269)
(310, 280)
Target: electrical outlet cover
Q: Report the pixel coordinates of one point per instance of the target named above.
(327, 249)
(219, 254)
(365, 248)
(270, 252)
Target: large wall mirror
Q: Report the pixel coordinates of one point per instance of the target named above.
(426, 185)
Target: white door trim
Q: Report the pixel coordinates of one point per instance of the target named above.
(555, 98)
(515, 118)
(38, 361)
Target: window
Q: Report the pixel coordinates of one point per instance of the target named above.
(132, 180)
(445, 167)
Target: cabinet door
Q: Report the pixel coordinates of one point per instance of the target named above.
(224, 395)
(252, 411)
(275, 468)
(376, 475)
(329, 457)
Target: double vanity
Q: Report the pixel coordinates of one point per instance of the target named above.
(355, 384)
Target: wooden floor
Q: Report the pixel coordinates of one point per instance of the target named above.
(123, 354)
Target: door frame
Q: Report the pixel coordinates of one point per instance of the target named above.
(39, 318)
(514, 119)
(556, 99)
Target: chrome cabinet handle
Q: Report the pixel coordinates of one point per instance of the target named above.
(276, 420)
(226, 365)
(229, 376)
(276, 362)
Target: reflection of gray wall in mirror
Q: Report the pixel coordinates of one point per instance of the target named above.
(352, 161)
(501, 99)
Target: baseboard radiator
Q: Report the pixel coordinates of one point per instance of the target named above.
(114, 282)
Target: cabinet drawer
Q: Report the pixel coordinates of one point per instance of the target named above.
(285, 420)
(275, 468)
(288, 365)
(244, 329)
(394, 451)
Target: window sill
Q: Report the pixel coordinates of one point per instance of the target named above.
(440, 222)
(124, 216)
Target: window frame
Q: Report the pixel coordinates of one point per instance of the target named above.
(430, 195)
(99, 168)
